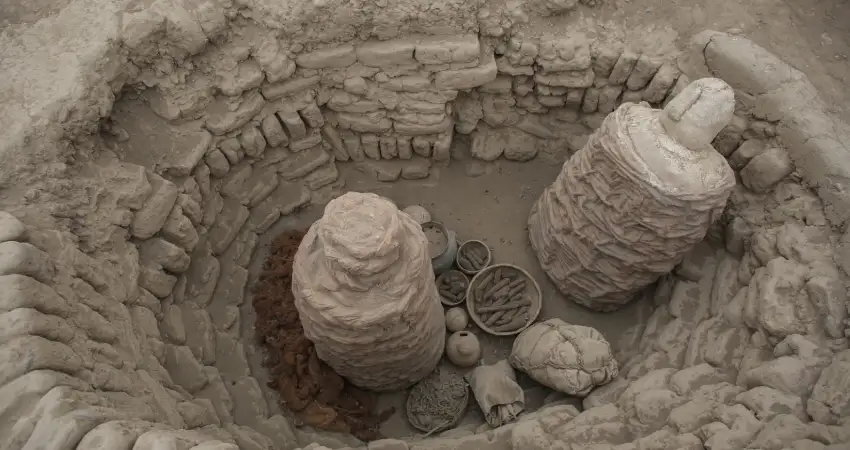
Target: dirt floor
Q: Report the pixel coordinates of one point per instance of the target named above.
(491, 206)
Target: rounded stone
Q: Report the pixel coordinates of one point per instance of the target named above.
(11, 229)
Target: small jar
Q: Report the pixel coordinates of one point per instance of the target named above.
(456, 319)
(442, 256)
(463, 349)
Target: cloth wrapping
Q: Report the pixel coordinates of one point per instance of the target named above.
(572, 359)
(366, 295)
(497, 392)
(625, 209)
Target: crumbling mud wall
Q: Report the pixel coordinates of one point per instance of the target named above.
(124, 277)
(403, 100)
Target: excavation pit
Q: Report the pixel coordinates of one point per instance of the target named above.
(504, 233)
(146, 180)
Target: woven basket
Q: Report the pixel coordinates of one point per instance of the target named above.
(433, 385)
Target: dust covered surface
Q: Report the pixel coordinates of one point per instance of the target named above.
(307, 386)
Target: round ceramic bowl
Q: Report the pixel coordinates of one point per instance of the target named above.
(473, 257)
(503, 299)
(452, 295)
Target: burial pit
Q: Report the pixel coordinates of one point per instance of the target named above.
(155, 191)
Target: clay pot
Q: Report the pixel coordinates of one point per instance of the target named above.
(456, 319)
(463, 349)
(442, 259)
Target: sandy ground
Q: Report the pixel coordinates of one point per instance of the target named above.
(493, 207)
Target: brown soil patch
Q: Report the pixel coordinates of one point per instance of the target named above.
(307, 386)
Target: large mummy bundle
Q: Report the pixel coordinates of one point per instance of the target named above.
(366, 296)
(641, 193)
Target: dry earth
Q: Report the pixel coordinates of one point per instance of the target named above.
(811, 35)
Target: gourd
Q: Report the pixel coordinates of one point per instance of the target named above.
(456, 319)
(463, 349)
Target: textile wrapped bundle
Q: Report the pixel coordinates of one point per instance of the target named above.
(641, 193)
(366, 296)
(499, 396)
(572, 359)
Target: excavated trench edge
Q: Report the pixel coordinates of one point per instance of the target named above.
(165, 368)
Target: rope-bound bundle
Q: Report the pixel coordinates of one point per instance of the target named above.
(641, 193)
(366, 296)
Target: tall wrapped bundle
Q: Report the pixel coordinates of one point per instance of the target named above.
(641, 193)
(366, 296)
